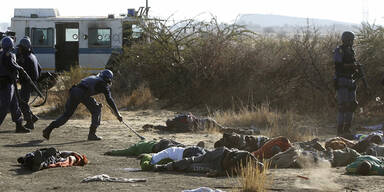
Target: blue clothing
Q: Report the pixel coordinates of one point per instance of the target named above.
(346, 87)
(81, 93)
(32, 67)
(30, 64)
(8, 99)
(8, 102)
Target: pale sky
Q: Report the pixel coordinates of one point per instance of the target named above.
(224, 10)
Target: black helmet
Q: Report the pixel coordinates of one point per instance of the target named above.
(7, 44)
(347, 36)
(106, 75)
(26, 43)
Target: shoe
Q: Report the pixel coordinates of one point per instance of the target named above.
(94, 137)
(92, 134)
(47, 132)
(29, 125)
(21, 129)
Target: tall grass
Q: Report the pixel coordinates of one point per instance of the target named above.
(139, 98)
(272, 122)
(252, 179)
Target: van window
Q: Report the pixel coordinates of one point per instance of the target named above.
(99, 38)
(136, 31)
(42, 37)
(71, 34)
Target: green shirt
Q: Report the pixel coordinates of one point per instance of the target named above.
(145, 162)
(135, 150)
(377, 165)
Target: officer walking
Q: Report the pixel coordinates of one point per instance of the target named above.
(27, 60)
(345, 67)
(8, 92)
(81, 93)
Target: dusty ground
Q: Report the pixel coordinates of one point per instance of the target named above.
(72, 136)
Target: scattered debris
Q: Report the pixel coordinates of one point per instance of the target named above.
(107, 178)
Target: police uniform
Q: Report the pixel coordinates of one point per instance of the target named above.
(8, 75)
(346, 88)
(81, 93)
(29, 62)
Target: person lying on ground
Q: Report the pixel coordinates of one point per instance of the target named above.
(375, 150)
(336, 143)
(50, 157)
(361, 146)
(296, 157)
(272, 147)
(313, 145)
(361, 136)
(366, 165)
(190, 123)
(365, 144)
(218, 162)
(145, 147)
(168, 155)
(248, 143)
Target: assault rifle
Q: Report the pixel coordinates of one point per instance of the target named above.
(360, 74)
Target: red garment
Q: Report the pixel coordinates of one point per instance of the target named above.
(266, 151)
(80, 160)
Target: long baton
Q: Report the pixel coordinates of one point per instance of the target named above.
(141, 137)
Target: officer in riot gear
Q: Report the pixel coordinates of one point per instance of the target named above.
(81, 93)
(27, 60)
(345, 67)
(8, 91)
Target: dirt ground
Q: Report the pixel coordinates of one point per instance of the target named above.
(72, 136)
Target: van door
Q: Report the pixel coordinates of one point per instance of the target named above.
(67, 46)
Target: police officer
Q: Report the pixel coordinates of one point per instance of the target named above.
(8, 92)
(81, 93)
(345, 67)
(27, 60)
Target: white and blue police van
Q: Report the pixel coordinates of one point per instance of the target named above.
(61, 42)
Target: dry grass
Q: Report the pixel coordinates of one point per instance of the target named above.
(257, 116)
(287, 124)
(251, 179)
(140, 98)
(274, 123)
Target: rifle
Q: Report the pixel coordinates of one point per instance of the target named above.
(360, 74)
(35, 88)
(29, 80)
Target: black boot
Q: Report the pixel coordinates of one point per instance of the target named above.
(47, 131)
(34, 118)
(20, 128)
(92, 134)
(29, 125)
